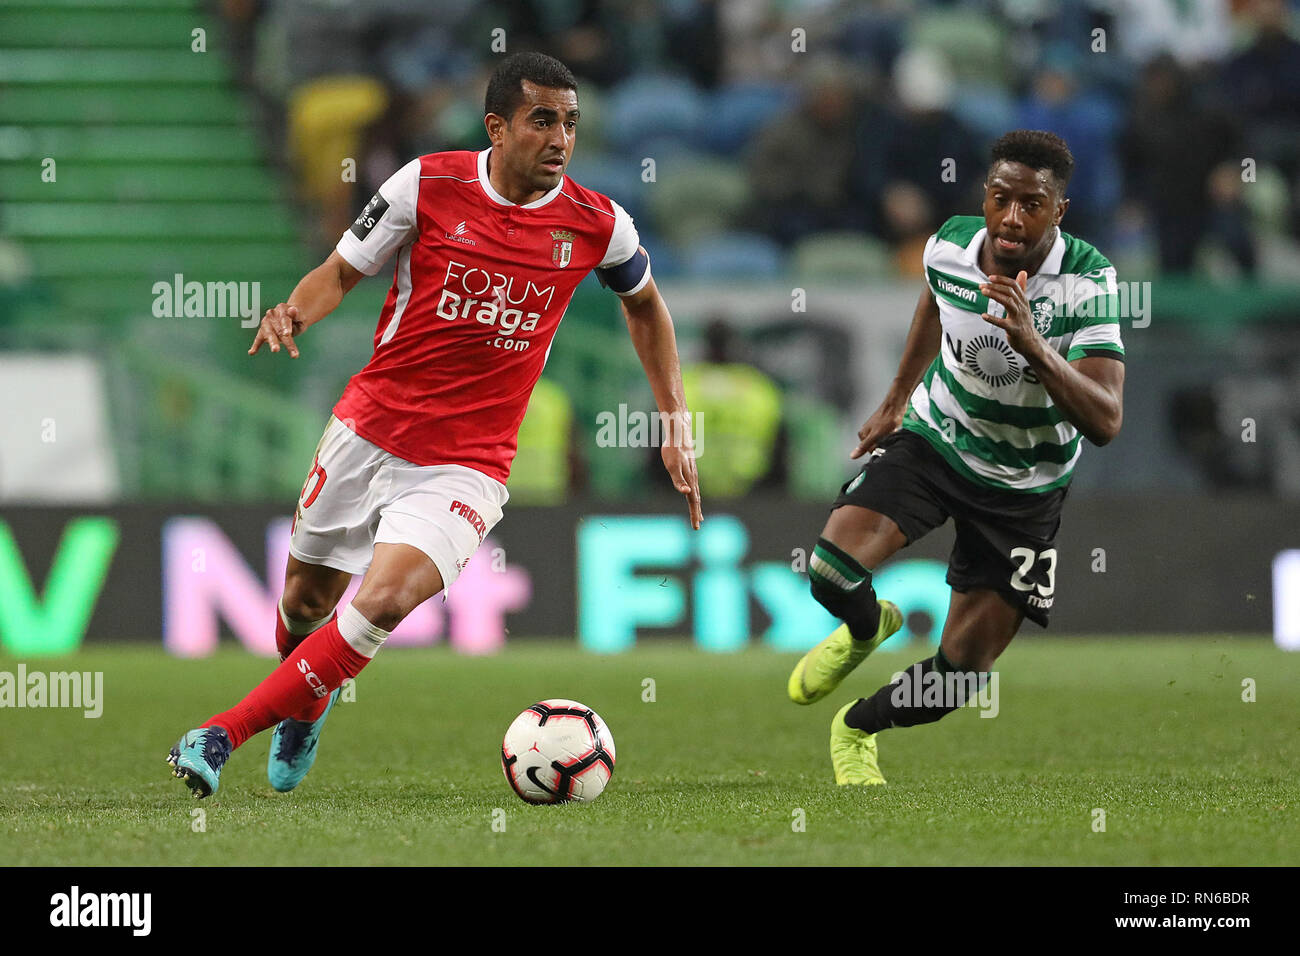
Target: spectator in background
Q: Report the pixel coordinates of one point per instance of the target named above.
(1088, 123)
(738, 412)
(915, 140)
(909, 223)
(1196, 33)
(1171, 147)
(799, 164)
(582, 33)
(546, 461)
(1262, 84)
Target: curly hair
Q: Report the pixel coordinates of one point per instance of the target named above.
(1037, 149)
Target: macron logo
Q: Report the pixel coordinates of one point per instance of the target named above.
(102, 909)
(968, 295)
(458, 235)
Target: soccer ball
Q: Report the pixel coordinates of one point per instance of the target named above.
(556, 751)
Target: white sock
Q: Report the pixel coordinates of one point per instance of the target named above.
(362, 636)
(300, 628)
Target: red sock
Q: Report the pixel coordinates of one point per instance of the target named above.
(285, 644)
(318, 665)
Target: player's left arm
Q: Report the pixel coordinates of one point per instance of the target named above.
(1089, 391)
(651, 327)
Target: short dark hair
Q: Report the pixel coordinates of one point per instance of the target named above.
(1037, 149)
(506, 87)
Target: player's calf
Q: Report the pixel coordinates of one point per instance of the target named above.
(922, 694)
(843, 586)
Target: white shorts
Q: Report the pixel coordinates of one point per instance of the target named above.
(358, 495)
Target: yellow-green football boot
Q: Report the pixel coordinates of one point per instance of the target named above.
(853, 753)
(820, 670)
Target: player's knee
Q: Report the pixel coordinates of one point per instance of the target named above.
(385, 605)
(302, 604)
(308, 599)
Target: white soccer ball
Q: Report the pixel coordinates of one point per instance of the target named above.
(556, 751)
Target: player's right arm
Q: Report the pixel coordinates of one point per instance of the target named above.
(922, 346)
(386, 224)
(316, 295)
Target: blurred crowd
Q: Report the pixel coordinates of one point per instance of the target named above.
(821, 135)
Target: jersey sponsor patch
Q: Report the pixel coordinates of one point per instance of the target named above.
(373, 212)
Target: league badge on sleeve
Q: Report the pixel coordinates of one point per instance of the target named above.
(562, 248)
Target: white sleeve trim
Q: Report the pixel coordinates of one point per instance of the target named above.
(623, 241)
(394, 228)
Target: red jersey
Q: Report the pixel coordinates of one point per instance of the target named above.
(479, 289)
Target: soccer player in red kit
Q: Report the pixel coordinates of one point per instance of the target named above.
(410, 474)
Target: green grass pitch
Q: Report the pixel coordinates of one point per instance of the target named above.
(718, 769)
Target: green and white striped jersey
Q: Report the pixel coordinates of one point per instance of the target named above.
(979, 403)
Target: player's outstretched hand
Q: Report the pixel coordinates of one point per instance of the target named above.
(886, 420)
(278, 328)
(680, 462)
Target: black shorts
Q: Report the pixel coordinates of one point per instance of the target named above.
(1004, 538)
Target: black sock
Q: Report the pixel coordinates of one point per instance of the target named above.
(843, 586)
(903, 703)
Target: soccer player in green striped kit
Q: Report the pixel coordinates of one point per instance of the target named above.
(1014, 356)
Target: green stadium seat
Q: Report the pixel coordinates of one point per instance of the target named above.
(163, 29)
(975, 45)
(145, 220)
(143, 104)
(131, 143)
(133, 294)
(692, 198)
(1268, 200)
(60, 258)
(111, 66)
(842, 255)
(80, 181)
(132, 6)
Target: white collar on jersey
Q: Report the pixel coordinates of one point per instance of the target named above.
(1051, 265)
(501, 200)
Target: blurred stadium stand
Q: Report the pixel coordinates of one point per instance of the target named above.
(771, 170)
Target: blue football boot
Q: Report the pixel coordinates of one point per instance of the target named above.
(293, 749)
(198, 758)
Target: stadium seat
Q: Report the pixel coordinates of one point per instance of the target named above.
(736, 112)
(974, 43)
(1268, 200)
(618, 177)
(41, 66)
(161, 29)
(82, 181)
(146, 104)
(666, 106)
(694, 197)
(130, 143)
(109, 220)
(842, 255)
(734, 254)
(595, 117)
(986, 110)
(664, 259)
(151, 258)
